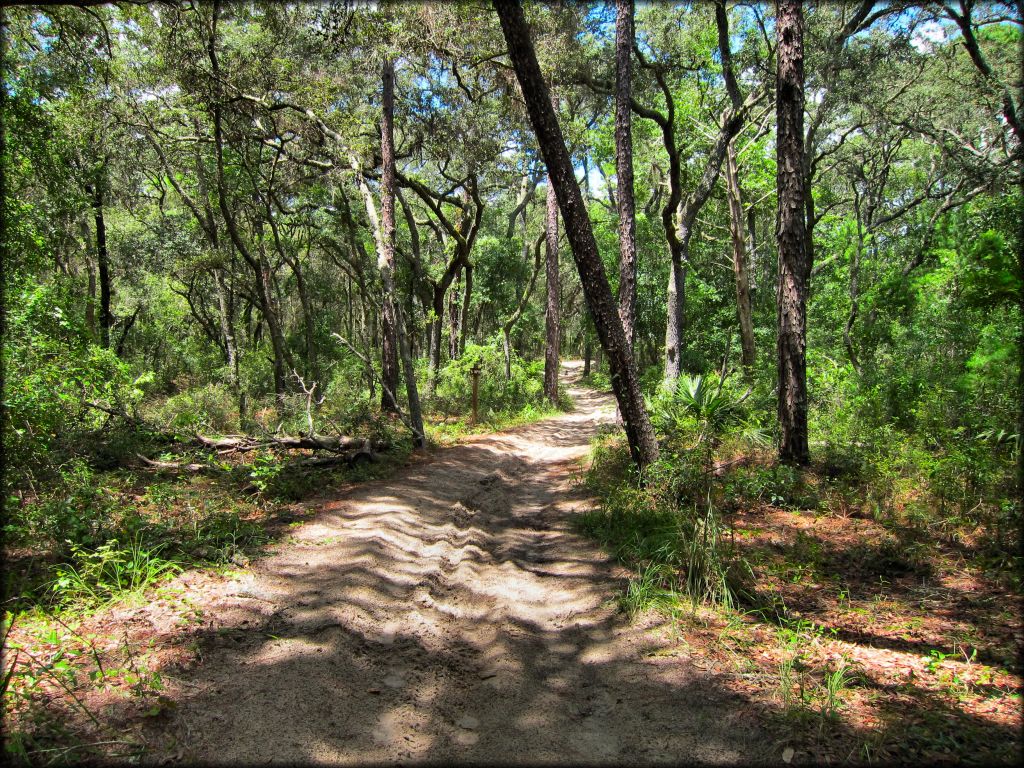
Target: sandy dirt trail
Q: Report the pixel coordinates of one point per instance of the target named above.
(449, 614)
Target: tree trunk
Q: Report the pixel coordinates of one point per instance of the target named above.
(311, 368)
(624, 168)
(90, 302)
(524, 299)
(739, 261)
(102, 261)
(258, 265)
(227, 330)
(752, 248)
(434, 362)
(453, 319)
(596, 290)
(587, 351)
(552, 322)
(265, 282)
(851, 318)
(794, 261)
(387, 254)
(467, 297)
(675, 319)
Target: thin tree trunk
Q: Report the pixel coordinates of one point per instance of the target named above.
(387, 255)
(102, 261)
(624, 168)
(388, 359)
(851, 318)
(259, 266)
(307, 319)
(739, 261)
(453, 318)
(552, 324)
(794, 261)
(597, 292)
(90, 300)
(752, 249)
(227, 330)
(524, 299)
(467, 297)
(434, 362)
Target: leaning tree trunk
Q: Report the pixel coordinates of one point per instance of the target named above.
(739, 261)
(624, 168)
(552, 322)
(794, 261)
(643, 446)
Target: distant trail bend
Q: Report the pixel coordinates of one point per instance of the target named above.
(449, 614)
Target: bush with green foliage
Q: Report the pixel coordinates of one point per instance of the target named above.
(497, 395)
(59, 386)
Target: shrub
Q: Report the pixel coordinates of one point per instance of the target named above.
(497, 395)
(57, 383)
(211, 407)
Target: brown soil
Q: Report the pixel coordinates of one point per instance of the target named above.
(446, 614)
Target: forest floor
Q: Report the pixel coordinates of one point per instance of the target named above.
(447, 613)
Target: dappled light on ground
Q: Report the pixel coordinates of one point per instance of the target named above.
(447, 614)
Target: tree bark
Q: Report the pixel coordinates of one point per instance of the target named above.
(467, 298)
(102, 261)
(387, 254)
(739, 261)
(598, 294)
(454, 318)
(552, 324)
(624, 168)
(794, 261)
(675, 317)
(434, 359)
(389, 321)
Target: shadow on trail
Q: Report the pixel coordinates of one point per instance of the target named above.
(448, 614)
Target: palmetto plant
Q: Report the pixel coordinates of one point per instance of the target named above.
(701, 398)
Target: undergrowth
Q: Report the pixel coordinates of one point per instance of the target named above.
(717, 533)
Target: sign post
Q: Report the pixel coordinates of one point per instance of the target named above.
(475, 373)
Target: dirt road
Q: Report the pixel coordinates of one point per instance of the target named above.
(449, 614)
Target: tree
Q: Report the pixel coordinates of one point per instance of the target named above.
(624, 167)
(392, 308)
(639, 432)
(794, 262)
(552, 325)
(389, 320)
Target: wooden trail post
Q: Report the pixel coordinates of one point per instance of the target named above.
(475, 373)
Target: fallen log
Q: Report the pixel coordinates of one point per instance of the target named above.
(334, 443)
(361, 453)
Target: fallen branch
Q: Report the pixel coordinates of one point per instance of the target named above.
(334, 443)
(178, 466)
